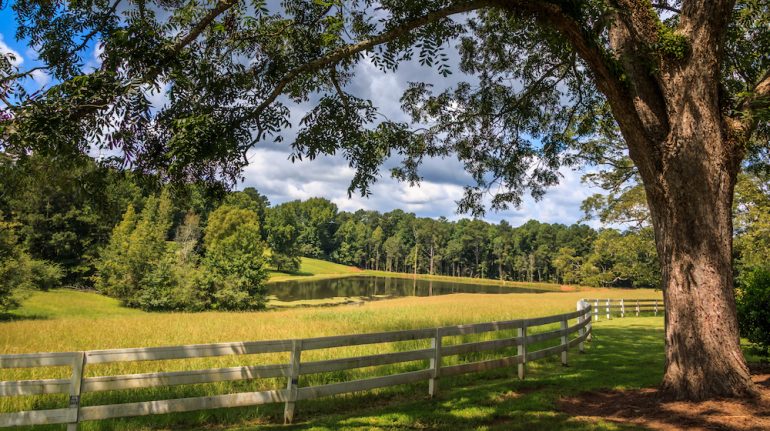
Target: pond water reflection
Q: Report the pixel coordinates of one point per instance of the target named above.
(369, 286)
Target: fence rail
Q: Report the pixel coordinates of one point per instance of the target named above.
(623, 307)
(77, 384)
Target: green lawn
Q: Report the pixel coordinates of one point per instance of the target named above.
(66, 303)
(625, 354)
(314, 269)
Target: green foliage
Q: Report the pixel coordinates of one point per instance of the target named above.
(66, 209)
(234, 262)
(671, 44)
(130, 262)
(622, 259)
(752, 220)
(18, 271)
(753, 302)
(283, 233)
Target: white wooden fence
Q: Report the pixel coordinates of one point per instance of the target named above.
(608, 308)
(77, 384)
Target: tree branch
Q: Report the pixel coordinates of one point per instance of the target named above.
(92, 33)
(665, 6)
(599, 62)
(15, 76)
(747, 107)
(219, 9)
(346, 51)
(705, 22)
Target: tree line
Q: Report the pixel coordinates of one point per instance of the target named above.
(194, 247)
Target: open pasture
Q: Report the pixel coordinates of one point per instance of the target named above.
(102, 329)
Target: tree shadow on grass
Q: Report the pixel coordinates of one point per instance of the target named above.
(619, 357)
(11, 317)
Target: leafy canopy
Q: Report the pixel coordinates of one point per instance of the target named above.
(527, 102)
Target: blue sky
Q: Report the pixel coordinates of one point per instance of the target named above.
(271, 172)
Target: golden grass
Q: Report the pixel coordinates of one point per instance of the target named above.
(100, 330)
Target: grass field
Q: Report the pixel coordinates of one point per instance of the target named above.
(314, 269)
(493, 400)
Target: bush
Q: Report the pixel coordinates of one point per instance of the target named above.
(18, 271)
(234, 263)
(754, 308)
(130, 262)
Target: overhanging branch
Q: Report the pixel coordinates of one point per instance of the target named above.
(347, 51)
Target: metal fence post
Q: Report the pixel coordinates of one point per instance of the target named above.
(608, 309)
(522, 351)
(622, 308)
(435, 363)
(596, 309)
(293, 381)
(76, 383)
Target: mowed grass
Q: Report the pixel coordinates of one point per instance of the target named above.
(314, 269)
(66, 303)
(492, 400)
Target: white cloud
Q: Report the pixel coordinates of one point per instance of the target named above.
(5, 49)
(41, 78)
(273, 174)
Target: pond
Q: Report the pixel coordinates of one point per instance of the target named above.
(378, 287)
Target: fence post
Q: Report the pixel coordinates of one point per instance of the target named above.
(564, 342)
(293, 381)
(75, 384)
(522, 351)
(637, 308)
(622, 308)
(596, 309)
(656, 307)
(608, 309)
(435, 363)
(581, 305)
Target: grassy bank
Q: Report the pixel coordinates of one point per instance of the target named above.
(105, 327)
(314, 269)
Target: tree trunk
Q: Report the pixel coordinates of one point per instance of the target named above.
(691, 207)
(693, 228)
(431, 258)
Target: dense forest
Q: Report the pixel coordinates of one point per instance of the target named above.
(194, 247)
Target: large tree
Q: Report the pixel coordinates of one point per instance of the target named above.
(686, 83)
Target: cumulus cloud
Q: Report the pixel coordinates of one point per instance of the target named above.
(5, 49)
(41, 78)
(273, 174)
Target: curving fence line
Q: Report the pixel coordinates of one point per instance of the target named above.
(78, 384)
(624, 307)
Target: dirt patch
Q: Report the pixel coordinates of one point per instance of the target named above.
(567, 288)
(646, 408)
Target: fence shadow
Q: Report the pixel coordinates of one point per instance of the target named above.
(627, 356)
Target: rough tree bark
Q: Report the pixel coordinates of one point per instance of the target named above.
(689, 157)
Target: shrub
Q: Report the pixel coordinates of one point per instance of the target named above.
(234, 263)
(130, 262)
(754, 308)
(18, 271)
